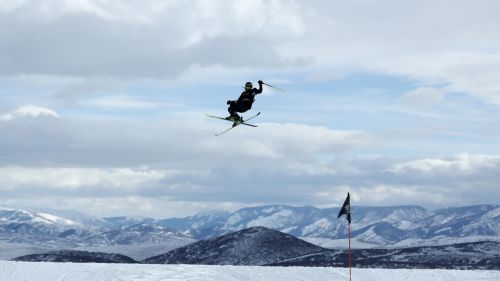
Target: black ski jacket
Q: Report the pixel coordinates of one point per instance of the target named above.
(249, 96)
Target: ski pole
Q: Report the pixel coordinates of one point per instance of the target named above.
(281, 90)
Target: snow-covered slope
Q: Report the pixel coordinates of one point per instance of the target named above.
(15, 271)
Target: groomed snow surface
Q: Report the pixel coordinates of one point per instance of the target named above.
(17, 271)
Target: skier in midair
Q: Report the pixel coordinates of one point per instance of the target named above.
(244, 102)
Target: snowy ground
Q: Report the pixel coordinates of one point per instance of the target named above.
(17, 271)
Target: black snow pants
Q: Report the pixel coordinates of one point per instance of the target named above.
(239, 106)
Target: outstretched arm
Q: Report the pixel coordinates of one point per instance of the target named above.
(259, 90)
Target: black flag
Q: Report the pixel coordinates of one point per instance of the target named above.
(346, 209)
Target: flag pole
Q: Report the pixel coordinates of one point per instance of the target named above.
(346, 210)
(349, 250)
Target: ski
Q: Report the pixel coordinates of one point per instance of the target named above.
(223, 132)
(235, 123)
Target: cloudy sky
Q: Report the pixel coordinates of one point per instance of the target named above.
(102, 104)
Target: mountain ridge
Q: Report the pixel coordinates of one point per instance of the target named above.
(369, 225)
(382, 226)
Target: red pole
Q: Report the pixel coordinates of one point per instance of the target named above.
(349, 236)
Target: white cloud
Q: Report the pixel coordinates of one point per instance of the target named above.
(99, 49)
(75, 158)
(157, 192)
(14, 177)
(310, 169)
(211, 19)
(135, 40)
(275, 163)
(461, 164)
(305, 139)
(159, 207)
(427, 42)
(383, 193)
(120, 102)
(130, 12)
(28, 110)
(425, 165)
(423, 97)
(471, 72)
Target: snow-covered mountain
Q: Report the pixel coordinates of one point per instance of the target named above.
(126, 221)
(200, 225)
(20, 226)
(23, 227)
(373, 225)
(463, 222)
(303, 221)
(144, 233)
(251, 246)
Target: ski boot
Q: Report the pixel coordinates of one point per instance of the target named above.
(234, 118)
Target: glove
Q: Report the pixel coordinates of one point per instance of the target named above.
(228, 102)
(260, 82)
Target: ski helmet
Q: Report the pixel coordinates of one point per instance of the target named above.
(248, 85)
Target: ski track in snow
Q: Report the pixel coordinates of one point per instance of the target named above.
(17, 271)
